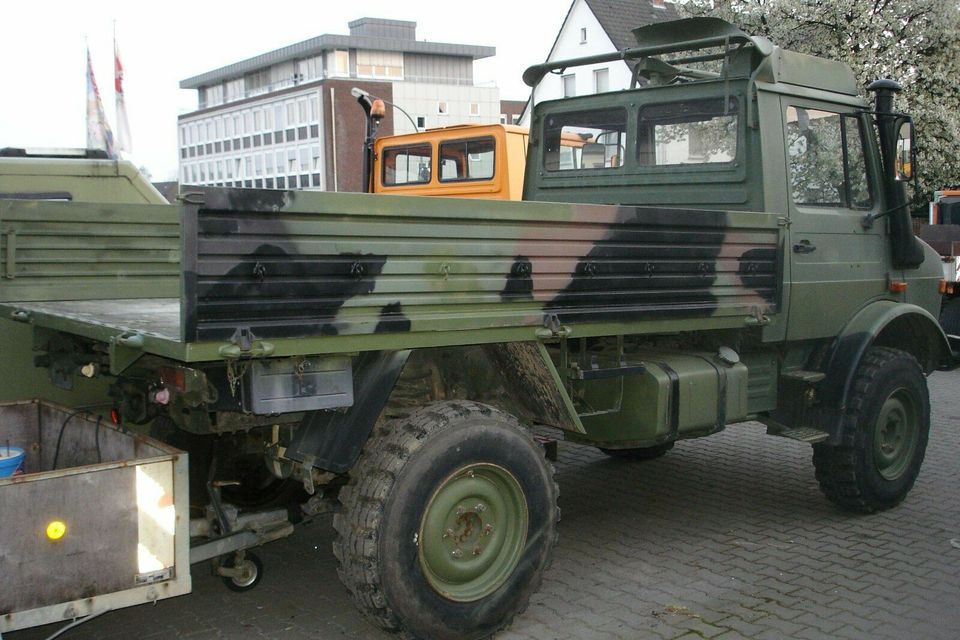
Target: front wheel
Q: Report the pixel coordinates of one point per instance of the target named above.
(885, 432)
(448, 523)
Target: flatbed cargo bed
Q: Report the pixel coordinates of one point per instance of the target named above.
(301, 273)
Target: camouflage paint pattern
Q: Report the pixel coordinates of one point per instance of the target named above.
(334, 265)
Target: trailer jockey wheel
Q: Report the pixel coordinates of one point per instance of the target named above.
(241, 571)
(448, 523)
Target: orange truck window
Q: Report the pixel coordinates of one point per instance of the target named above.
(463, 160)
(406, 165)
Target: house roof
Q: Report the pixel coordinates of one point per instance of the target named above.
(619, 17)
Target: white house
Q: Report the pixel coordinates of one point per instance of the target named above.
(593, 27)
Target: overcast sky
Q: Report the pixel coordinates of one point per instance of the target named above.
(42, 45)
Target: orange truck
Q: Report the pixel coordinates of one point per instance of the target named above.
(464, 161)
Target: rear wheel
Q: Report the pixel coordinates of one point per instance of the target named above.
(448, 522)
(884, 435)
(639, 453)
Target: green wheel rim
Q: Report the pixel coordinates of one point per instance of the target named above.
(896, 433)
(473, 532)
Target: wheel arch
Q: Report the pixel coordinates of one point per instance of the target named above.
(906, 327)
(518, 378)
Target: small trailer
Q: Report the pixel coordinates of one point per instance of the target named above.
(98, 519)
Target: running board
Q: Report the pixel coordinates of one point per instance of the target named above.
(803, 434)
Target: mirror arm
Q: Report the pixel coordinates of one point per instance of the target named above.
(868, 220)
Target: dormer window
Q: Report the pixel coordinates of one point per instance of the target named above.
(583, 35)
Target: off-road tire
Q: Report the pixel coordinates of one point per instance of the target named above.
(850, 474)
(405, 464)
(638, 454)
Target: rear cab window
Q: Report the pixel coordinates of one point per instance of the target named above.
(590, 140)
(688, 133)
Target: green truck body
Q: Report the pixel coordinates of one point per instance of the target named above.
(636, 298)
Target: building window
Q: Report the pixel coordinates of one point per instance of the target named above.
(421, 122)
(601, 80)
(341, 62)
(379, 64)
(474, 108)
(442, 108)
(583, 35)
(503, 118)
(569, 85)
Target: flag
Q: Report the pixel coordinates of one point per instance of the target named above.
(124, 142)
(99, 135)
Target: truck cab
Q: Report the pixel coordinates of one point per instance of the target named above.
(717, 119)
(464, 161)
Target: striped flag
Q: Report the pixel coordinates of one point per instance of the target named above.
(124, 141)
(99, 135)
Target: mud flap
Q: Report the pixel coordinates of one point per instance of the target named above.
(333, 440)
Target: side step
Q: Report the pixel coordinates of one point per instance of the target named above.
(803, 434)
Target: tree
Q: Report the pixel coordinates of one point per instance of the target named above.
(915, 42)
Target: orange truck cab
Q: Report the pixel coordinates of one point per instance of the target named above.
(463, 161)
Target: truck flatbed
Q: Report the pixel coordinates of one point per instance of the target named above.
(341, 273)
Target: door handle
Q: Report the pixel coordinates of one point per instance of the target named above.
(804, 246)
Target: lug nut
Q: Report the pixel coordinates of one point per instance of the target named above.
(457, 553)
(480, 508)
(477, 551)
(487, 530)
(448, 533)
(460, 511)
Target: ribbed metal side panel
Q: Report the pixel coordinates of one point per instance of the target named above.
(79, 251)
(282, 273)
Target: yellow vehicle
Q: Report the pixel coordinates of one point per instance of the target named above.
(464, 161)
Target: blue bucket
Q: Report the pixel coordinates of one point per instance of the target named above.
(10, 460)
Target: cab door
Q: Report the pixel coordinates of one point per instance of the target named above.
(837, 263)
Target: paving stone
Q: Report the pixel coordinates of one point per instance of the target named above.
(726, 537)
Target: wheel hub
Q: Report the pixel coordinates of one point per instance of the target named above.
(896, 435)
(473, 532)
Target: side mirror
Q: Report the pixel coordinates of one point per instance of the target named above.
(905, 158)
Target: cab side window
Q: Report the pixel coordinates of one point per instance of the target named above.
(827, 162)
(406, 165)
(467, 160)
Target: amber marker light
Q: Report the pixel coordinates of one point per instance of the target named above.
(56, 530)
(898, 286)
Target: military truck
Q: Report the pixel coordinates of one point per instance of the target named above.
(734, 247)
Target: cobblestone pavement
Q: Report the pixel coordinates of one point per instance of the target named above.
(725, 537)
